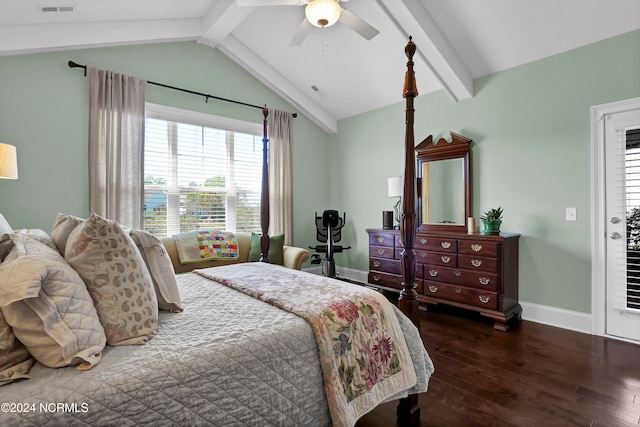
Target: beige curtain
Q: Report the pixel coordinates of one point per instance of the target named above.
(280, 125)
(116, 146)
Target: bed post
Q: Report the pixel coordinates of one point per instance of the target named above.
(264, 197)
(408, 411)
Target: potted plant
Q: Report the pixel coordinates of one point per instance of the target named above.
(492, 220)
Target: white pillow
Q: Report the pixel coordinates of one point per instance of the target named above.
(161, 269)
(117, 278)
(48, 306)
(5, 228)
(63, 226)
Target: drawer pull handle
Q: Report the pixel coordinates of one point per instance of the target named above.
(433, 289)
(445, 259)
(380, 251)
(476, 248)
(376, 278)
(476, 262)
(423, 241)
(433, 273)
(380, 239)
(457, 273)
(445, 245)
(422, 254)
(484, 280)
(484, 299)
(376, 264)
(457, 290)
(400, 242)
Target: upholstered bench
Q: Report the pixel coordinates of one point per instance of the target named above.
(292, 256)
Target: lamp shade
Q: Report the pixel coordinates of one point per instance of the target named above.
(394, 186)
(322, 13)
(8, 162)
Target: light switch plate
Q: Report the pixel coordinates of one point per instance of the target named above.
(571, 214)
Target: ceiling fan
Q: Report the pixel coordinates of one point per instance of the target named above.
(319, 13)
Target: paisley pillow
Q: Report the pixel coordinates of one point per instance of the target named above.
(117, 278)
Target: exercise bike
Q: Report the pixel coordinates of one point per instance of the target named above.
(328, 231)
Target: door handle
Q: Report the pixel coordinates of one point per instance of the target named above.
(615, 235)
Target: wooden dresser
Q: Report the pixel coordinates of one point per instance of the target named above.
(472, 271)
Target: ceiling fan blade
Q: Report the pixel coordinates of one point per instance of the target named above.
(357, 24)
(252, 3)
(301, 33)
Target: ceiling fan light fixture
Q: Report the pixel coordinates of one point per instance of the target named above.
(322, 13)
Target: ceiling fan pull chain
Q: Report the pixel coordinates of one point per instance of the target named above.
(324, 40)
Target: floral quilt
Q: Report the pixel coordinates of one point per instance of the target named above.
(362, 350)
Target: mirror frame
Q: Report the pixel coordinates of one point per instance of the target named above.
(458, 148)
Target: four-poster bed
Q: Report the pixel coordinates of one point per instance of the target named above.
(256, 344)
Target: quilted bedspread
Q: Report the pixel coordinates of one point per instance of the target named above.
(227, 360)
(363, 353)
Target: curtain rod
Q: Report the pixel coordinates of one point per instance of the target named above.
(73, 64)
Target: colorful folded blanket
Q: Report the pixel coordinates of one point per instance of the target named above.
(201, 245)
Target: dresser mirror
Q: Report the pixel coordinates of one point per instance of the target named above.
(444, 194)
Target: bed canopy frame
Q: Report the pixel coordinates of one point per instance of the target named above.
(408, 411)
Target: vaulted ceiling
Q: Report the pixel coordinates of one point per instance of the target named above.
(334, 73)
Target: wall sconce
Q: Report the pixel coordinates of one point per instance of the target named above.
(8, 162)
(394, 189)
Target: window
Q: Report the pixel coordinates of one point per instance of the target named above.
(632, 178)
(200, 171)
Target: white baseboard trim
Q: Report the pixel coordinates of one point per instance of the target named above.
(552, 316)
(559, 317)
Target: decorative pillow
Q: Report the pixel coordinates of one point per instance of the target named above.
(63, 226)
(48, 306)
(160, 267)
(276, 246)
(37, 234)
(15, 360)
(201, 245)
(117, 278)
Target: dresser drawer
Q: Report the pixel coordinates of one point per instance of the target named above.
(478, 247)
(437, 258)
(475, 279)
(428, 257)
(384, 279)
(461, 294)
(381, 239)
(473, 262)
(381, 252)
(391, 281)
(437, 244)
(385, 265)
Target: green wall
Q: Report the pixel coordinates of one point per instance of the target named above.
(531, 155)
(531, 149)
(43, 112)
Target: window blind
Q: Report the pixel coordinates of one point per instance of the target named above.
(200, 177)
(632, 179)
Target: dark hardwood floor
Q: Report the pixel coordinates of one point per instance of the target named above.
(533, 375)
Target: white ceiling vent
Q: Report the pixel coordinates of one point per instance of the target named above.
(54, 9)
